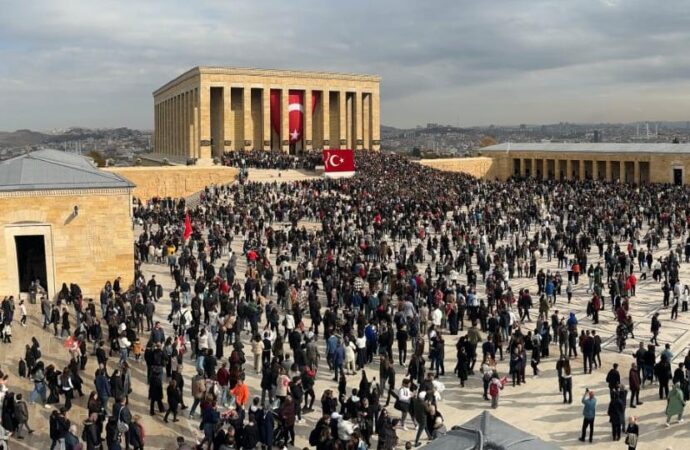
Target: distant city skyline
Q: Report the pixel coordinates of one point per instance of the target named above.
(96, 64)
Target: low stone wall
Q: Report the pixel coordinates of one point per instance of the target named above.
(480, 167)
(174, 181)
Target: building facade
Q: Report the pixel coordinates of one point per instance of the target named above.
(629, 163)
(211, 110)
(63, 221)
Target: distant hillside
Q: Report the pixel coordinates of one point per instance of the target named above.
(22, 137)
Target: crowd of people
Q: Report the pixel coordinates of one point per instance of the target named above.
(286, 282)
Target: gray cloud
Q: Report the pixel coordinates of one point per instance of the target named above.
(77, 62)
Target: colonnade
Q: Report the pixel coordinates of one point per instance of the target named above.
(628, 171)
(206, 121)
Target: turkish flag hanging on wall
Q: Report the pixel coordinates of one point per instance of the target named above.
(295, 112)
(295, 115)
(338, 163)
(275, 110)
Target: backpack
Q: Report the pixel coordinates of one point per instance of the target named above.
(22, 368)
(493, 390)
(314, 436)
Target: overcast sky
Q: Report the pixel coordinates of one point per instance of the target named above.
(96, 62)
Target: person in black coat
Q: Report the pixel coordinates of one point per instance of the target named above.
(616, 413)
(117, 388)
(250, 433)
(155, 394)
(264, 420)
(174, 400)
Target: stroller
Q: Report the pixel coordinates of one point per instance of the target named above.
(280, 433)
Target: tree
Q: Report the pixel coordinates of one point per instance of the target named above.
(97, 157)
(416, 152)
(487, 141)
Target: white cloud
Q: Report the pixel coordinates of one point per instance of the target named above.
(96, 63)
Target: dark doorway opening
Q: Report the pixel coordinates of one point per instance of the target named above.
(678, 177)
(31, 261)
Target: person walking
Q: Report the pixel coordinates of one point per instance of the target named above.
(588, 412)
(21, 412)
(632, 433)
(174, 400)
(634, 383)
(616, 413)
(675, 404)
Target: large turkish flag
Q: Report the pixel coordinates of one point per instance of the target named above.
(295, 115)
(275, 110)
(338, 163)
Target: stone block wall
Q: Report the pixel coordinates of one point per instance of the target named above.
(88, 248)
(479, 167)
(174, 181)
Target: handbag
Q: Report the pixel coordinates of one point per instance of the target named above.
(631, 440)
(398, 405)
(122, 427)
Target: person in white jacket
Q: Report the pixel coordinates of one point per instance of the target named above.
(350, 357)
(125, 345)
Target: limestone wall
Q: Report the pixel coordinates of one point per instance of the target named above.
(480, 167)
(174, 181)
(88, 248)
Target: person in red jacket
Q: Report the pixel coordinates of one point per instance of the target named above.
(287, 414)
(223, 379)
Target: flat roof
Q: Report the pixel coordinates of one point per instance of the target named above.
(588, 147)
(200, 70)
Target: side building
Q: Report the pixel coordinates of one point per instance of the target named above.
(63, 221)
(628, 163)
(207, 111)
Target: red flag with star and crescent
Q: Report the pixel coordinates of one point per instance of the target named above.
(295, 115)
(339, 163)
(187, 227)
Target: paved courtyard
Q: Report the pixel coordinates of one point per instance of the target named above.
(535, 407)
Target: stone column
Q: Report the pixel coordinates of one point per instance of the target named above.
(359, 129)
(582, 169)
(544, 169)
(595, 167)
(375, 120)
(284, 121)
(173, 129)
(190, 124)
(326, 108)
(568, 169)
(229, 122)
(166, 128)
(183, 125)
(156, 116)
(609, 175)
(533, 168)
(180, 127)
(247, 118)
(308, 125)
(266, 117)
(195, 123)
(557, 169)
(205, 122)
(342, 118)
(636, 172)
(366, 121)
(160, 148)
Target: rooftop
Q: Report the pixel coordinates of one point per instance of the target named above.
(55, 169)
(199, 70)
(587, 147)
